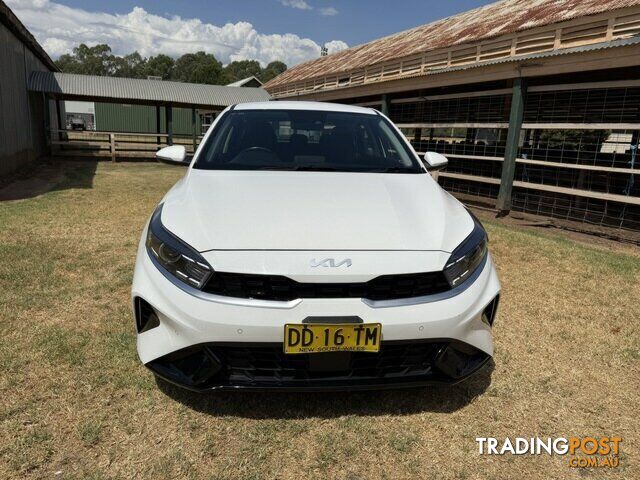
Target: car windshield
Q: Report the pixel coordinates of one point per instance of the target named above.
(306, 140)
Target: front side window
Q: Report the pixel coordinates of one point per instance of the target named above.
(306, 140)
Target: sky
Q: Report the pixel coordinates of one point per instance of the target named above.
(292, 31)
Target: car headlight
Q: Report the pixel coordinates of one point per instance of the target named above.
(468, 256)
(175, 256)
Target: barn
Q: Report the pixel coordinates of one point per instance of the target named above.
(535, 103)
(22, 123)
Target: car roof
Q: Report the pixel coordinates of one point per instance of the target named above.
(314, 106)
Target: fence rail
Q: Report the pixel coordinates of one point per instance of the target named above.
(115, 145)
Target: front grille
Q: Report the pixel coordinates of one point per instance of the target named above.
(270, 366)
(265, 365)
(276, 287)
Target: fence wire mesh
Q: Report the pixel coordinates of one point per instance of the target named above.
(590, 158)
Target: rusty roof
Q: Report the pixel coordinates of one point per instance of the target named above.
(500, 18)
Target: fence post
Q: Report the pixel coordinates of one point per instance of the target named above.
(158, 128)
(61, 126)
(47, 123)
(169, 121)
(112, 147)
(503, 204)
(193, 127)
(385, 105)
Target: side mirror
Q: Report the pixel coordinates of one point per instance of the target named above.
(173, 154)
(435, 161)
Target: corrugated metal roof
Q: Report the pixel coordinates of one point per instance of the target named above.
(519, 58)
(244, 81)
(135, 90)
(8, 18)
(500, 18)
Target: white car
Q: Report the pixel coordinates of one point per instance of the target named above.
(308, 248)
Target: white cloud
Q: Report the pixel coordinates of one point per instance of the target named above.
(300, 4)
(303, 5)
(59, 28)
(335, 46)
(328, 11)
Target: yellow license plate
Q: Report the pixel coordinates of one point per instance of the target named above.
(332, 337)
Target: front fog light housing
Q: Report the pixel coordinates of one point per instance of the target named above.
(175, 256)
(467, 257)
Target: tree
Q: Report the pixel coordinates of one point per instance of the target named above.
(159, 66)
(97, 60)
(198, 67)
(130, 66)
(239, 70)
(272, 70)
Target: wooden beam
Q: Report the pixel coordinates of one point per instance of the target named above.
(385, 105)
(169, 121)
(511, 148)
(577, 166)
(61, 126)
(545, 163)
(581, 126)
(454, 125)
(471, 178)
(548, 188)
(585, 85)
(193, 128)
(526, 125)
(469, 157)
(158, 127)
(482, 93)
(47, 122)
(112, 146)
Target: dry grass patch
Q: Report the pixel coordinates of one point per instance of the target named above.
(77, 401)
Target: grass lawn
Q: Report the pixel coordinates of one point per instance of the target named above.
(76, 402)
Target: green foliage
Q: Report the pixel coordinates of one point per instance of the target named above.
(199, 67)
(158, 66)
(273, 70)
(242, 69)
(129, 66)
(97, 60)
(574, 139)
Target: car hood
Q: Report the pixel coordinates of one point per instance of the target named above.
(275, 210)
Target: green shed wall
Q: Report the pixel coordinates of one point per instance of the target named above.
(114, 117)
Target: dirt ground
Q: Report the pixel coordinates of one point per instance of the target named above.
(76, 403)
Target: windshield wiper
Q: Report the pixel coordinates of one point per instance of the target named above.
(320, 168)
(274, 167)
(311, 168)
(286, 168)
(395, 170)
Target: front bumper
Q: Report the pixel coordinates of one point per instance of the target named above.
(209, 342)
(264, 366)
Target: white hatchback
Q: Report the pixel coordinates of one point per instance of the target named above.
(308, 248)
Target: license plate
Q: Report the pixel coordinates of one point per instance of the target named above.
(322, 337)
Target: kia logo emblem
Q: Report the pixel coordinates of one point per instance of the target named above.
(330, 262)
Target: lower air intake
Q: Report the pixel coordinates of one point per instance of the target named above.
(266, 366)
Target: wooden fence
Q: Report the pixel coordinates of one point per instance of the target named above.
(115, 145)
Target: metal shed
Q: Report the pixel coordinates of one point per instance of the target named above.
(163, 95)
(22, 138)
